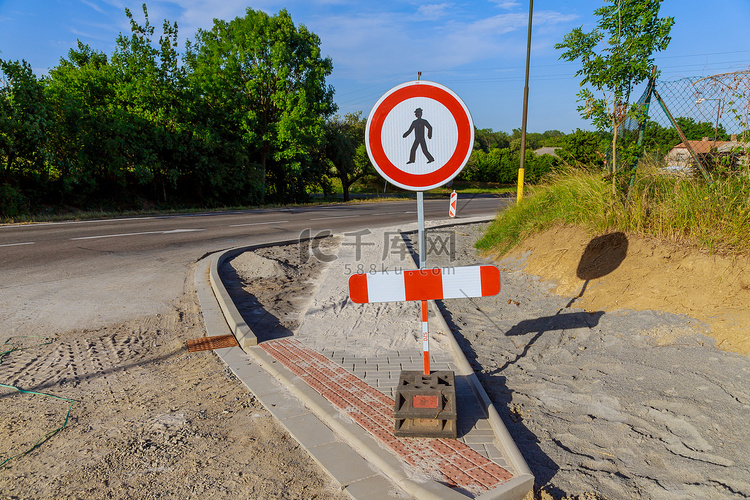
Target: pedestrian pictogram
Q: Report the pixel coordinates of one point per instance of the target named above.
(418, 126)
(419, 135)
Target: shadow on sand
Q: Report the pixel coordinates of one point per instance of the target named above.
(601, 256)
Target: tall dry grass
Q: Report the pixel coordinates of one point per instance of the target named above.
(713, 217)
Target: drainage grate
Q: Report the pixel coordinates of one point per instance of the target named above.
(210, 343)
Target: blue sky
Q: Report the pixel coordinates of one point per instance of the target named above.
(475, 47)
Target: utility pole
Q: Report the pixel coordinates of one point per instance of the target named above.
(519, 195)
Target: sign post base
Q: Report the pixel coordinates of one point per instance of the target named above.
(425, 405)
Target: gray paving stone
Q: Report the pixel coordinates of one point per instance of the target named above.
(496, 455)
(309, 430)
(283, 405)
(478, 437)
(384, 367)
(342, 462)
(375, 488)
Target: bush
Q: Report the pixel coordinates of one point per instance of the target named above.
(501, 166)
(12, 202)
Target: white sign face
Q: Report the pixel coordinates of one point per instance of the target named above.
(419, 135)
(440, 145)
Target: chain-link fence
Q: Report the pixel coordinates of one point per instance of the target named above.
(721, 101)
(700, 124)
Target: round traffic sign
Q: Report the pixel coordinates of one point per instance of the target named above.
(419, 135)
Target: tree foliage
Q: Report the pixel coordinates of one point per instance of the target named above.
(265, 77)
(583, 149)
(345, 149)
(661, 140)
(615, 57)
(500, 165)
(237, 119)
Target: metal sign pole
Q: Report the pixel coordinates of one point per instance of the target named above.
(420, 224)
(422, 263)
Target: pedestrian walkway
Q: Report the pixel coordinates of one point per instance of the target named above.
(369, 407)
(333, 386)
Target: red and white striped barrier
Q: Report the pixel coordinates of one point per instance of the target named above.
(454, 202)
(425, 284)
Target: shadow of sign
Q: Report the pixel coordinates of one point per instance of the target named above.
(560, 321)
(602, 255)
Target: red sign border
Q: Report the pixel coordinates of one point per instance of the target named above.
(457, 109)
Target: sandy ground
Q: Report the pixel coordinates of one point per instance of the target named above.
(616, 389)
(605, 400)
(150, 420)
(619, 273)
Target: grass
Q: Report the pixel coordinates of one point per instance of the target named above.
(711, 217)
(372, 185)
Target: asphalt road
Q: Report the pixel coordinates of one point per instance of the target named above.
(59, 276)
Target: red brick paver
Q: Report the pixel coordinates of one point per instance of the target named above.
(459, 465)
(210, 343)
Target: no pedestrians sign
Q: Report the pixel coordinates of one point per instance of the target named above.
(419, 135)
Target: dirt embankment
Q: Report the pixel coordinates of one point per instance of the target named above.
(614, 272)
(611, 387)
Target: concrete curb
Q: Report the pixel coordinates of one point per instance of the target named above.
(219, 303)
(237, 325)
(213, 306)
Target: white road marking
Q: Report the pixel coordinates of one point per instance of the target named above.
(173, 231)
(335, 217)
(17, 244)
(259, 223)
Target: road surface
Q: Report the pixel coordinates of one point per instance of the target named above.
(86, 274)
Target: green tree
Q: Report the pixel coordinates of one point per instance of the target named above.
(87, 140)
(344, 143)
(538, 166)
(583, 149)
(534, 140)
(24, 122)
(659, 139)
(498, 165)
(149, 85)
(662, 139)
(616, 56)
(263, 78)
(552, 138)
(486, 139)
(695, 131)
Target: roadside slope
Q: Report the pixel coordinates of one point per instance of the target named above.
(616, 272)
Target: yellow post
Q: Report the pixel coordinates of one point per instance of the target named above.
(519, 195)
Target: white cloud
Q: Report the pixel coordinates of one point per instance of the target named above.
(434, 11)
(380, 45)
(93, 6)
(508, 5)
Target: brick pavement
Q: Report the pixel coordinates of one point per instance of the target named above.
(454, 462)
